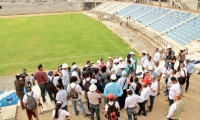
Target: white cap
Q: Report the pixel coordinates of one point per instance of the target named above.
(92, 87)
(120, 58)
(124, 73)
(64, 65)
(122, 66)
(91, 62)
(144, 51)
(116, 61)
(145, 70)
(187, 57)
(150, 67)
(74, 66)
(98, 61)
(113, 77)
(169, 46)
(109, 57)
(73, 74)
(182, 49)
(132, 53)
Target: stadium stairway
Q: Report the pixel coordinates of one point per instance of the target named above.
(175, 27)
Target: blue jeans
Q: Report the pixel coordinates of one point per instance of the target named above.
(151, 102)
(130, 112)
(79, 101)
(43, 87)
(94, 108)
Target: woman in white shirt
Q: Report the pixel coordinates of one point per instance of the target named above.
(59, 114)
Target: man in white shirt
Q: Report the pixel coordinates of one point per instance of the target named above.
(130, 104)
(65, 77)
(175, 89)
(75, 73)
(74, 85)
(124, 84)
(117, 68)
(144, 57)
(26, 102)
(158, 71)
(108, 63)
(121, 62)
(148, 62)
(62, 96)
(190, 69)
(153, 92)
(183, 75)
(176, 108)
(169, 82)
(144, 99)
(156, 55)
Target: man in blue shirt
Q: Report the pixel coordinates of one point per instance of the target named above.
(113, 88)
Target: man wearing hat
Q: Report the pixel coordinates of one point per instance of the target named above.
(190, 70)
(65, 77)
(121, 62)
(171, 59)
(94, 97)
(133, 60)
(72, 70)
(117, 68)
(113, 88)
(19, 87)
(42, 80)
(75, 73)
(129, 67)
(175, 89)
(148, 62)
(154, 90)
(108, 63)
(25, 101)
(123, 81)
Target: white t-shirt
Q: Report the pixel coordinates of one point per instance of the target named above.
(92, 81)
(156, 56)
(61, 96)
(65, 78)
(154, 86)
(182, 72)
(55, 79)
(158, 70)
(78, 88)
(145, 94)
(148, 63)
(175, 89)
(27, 78)
(61, 114)
(123, 82)
(25, 98)
(117, 69)
(111, 103)
(143, 60)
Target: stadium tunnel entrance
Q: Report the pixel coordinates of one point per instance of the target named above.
(90, 5)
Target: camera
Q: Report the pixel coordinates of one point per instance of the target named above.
(89, 70)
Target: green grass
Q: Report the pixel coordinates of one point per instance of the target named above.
(55, 39)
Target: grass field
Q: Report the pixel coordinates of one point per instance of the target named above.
(55, 39)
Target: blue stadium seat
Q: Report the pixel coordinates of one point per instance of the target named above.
(4, 104)
(13, 102)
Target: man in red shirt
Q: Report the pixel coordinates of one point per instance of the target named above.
(146, 78)
(42, 79)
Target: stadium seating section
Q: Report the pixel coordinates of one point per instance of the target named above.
(182, 27)
(7, 100)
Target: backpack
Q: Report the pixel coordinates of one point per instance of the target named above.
(50, 86)
(87, 85)
(112, 112)
(31, 103)
(182, 80)
(131, 69)
(138, 87)
(73, 94)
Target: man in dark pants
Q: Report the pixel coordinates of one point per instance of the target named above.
(19, 87)
(190, 69)
(42, 80)
(145, 96)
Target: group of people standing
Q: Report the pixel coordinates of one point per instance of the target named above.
(112, 84)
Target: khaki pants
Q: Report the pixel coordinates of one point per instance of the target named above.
(20, 96)
(158, 85)
(182, 89)
(103, 100)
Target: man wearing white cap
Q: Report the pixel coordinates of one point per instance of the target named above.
(151, 70)
(121, 62)
(122, 66)
(190, 69)
(113, 88)
(144, 57)
(156, 56)
(117, 67)
(75, 73)
(65, 77)
(93, 97)
(123, 81)
(134, 60)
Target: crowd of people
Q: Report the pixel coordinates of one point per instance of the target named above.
(114, 85)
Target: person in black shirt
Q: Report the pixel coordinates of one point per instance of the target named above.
(172, 59)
